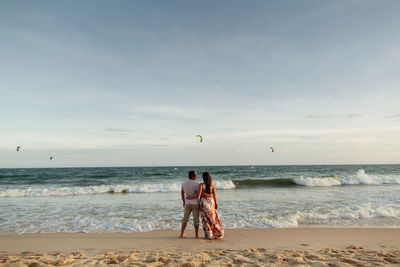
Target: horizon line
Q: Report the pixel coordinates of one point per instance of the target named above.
(185, 166)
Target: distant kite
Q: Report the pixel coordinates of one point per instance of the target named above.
(201, 138)
(272, 149)
(51, 157)
(18, 148)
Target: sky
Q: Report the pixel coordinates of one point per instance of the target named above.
(131, 83)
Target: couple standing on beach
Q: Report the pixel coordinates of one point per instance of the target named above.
(206, 206)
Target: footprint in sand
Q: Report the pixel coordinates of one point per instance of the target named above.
(304, 245)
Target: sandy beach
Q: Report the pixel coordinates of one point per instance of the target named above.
(271, 125)
(248, 247)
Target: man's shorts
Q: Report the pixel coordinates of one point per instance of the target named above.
(188, 209)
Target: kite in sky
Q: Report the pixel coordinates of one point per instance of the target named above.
(18, 148)
(201, 138)
(51, 157)
(272, 149)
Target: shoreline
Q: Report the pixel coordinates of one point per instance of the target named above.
(308, 246)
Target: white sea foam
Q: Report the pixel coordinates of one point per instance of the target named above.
(262, 222)
(89, 190)
(227, 184)
(368, 211)
(339, 215)
(365, 211)
(358, 179)
(101, 189)
(104, 217)
(362, 178)
(315, 181)
(109, 223)
(116, 223)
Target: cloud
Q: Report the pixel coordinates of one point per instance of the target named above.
(117, 130)
(163, 111)
(353, 115)
(394, 116)
(331, 116)
(321, 116)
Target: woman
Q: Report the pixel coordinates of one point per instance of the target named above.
(208, 208)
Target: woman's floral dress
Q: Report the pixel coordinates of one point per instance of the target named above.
(209, 217)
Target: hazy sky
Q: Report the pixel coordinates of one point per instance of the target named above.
(131, 83)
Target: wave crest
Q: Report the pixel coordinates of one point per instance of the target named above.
(360, 178)
(263, 182)
(102, 189)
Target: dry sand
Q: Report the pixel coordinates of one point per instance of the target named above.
(240, 247)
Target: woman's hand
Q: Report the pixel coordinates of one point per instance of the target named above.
(216, 205)
(191, 197)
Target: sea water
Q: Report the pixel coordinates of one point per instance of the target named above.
(137, 199)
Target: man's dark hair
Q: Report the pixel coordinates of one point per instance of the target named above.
(191, 174)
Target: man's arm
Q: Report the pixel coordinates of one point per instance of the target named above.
(183, 197)
(200, 189)
(204, 194)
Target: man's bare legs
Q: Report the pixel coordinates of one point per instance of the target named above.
(183, 229)
(196, 230)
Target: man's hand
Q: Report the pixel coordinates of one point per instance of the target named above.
(183, 197)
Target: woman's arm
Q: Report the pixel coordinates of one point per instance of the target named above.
(214, 192)
(198, 193)
(204, 194)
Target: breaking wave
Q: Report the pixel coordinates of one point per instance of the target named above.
(360, 178)
(101, 189)
(263, 182)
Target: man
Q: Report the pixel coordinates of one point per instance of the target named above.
(189, 188)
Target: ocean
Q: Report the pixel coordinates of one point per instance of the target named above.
(138, 199)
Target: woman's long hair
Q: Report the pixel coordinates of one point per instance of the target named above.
(207, 181)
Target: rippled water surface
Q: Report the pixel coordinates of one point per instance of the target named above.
(144, 199)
